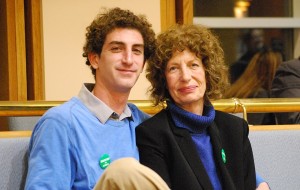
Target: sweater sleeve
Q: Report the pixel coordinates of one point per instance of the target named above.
(50, 164)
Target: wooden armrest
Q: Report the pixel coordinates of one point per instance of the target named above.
(13, 134)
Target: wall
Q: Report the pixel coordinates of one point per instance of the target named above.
(64, 24)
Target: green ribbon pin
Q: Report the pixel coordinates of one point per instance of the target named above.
(104, 161)
(223, 155)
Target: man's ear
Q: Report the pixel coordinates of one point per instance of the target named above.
(94, 60)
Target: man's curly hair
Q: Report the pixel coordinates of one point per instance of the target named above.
(111, 19)
(199, 40)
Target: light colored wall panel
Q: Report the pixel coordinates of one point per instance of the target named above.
(64, 24)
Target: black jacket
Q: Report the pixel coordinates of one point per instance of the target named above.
(286, 84)
(170, 152)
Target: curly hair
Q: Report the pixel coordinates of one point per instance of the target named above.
(199, 40)
(111, 19)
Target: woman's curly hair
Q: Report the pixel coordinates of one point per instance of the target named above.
(111, 19)
(199, 40)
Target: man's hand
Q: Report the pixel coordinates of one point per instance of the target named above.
(263, 186)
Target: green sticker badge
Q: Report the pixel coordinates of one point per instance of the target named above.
(104, 161)
(223, 155)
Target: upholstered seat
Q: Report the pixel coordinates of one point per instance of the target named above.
(13, 160)
(22, 123)
(276, 155)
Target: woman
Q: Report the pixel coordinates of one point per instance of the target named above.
(256, 82)
(189, 143)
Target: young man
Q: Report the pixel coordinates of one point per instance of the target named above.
(74, 143)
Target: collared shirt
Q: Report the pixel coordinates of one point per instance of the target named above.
(94, 105)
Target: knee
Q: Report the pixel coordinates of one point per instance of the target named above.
(123, 165)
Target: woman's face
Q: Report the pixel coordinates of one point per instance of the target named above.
(185, 77)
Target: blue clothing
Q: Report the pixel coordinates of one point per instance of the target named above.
(68, 142)
(259, 180)
(197, 126)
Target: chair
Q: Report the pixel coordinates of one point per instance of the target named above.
(13, 159)
(22, 123)
(277, 154)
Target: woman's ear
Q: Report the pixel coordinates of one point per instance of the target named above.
(94, 60)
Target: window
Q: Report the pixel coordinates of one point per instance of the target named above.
(232, 20)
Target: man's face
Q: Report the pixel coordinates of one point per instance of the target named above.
(121, 60)
(257, 40)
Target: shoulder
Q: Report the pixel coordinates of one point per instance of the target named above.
(229, 121)
(65, 110)
(286, 82)
(62, 116)
(137, 113)
(161, 116)
(157, 122)
(288, 69)
(155, 131)
(290, 66)
(220, 115)
(231, 127)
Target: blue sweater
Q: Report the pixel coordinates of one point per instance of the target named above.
(68, 144)
(197, 126)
